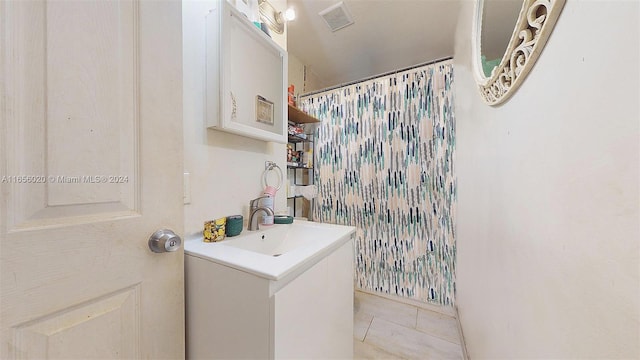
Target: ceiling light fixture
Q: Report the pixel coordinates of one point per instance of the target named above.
(290, 14)
(274, 19)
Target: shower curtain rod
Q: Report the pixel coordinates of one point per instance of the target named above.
(377, 76)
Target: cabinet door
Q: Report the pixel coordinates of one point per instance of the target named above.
(250, 85)
(314, 313)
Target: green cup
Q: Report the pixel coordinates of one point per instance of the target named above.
(234, 225)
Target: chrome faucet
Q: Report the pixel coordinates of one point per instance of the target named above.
(251, 226)
(254, 204)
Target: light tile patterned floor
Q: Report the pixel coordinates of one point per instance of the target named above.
(387, 329)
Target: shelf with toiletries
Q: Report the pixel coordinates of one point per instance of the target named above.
(300, 149)
(300, 163)
(300, 117)
(296, 138)
(292, 165)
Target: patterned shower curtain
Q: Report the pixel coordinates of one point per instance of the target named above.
(384, 163)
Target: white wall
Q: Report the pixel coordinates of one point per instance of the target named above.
(296, 74)
(548, 210)
(312, 81)
(303, 77)
(226, 170)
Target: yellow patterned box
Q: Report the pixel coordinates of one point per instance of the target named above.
(214, 230)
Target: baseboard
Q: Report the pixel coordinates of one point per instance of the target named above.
(461, 335)
(445, 310)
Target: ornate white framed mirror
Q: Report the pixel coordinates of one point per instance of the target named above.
(503, 54)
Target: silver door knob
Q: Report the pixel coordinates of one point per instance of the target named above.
(164, 240)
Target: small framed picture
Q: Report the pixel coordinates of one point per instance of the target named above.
(264, 110)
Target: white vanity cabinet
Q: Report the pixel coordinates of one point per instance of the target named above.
(313, 314)
(246, 77)
(307, 315)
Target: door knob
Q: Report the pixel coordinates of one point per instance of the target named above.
(164, 240)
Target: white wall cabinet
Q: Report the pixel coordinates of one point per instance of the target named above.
(308, 316)
(246, 77)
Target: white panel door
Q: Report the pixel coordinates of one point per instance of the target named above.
(90, 167)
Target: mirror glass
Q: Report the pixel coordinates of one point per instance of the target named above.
(508, 37)
(499, 18)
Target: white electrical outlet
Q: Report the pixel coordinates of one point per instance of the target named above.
(186, 188)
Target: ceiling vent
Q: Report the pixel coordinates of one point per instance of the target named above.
(337, 16)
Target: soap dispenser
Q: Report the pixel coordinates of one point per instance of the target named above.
(268, 200)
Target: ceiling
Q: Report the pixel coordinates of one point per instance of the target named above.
(387, 35)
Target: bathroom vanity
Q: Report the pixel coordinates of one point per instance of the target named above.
(285, 291)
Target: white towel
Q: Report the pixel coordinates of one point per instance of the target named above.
(307, 191)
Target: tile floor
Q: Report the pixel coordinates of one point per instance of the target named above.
(387, 329)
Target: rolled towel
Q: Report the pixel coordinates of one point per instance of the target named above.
(307, 191)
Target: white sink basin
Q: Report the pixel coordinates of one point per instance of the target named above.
(275, 242)
(274, 251)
